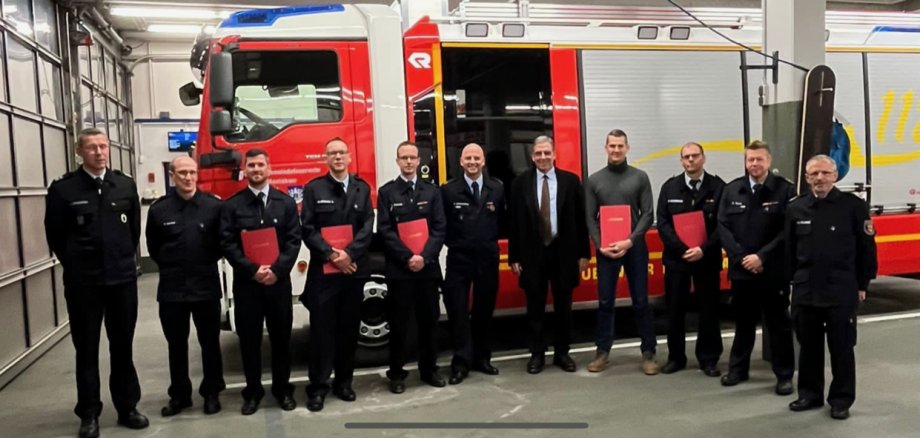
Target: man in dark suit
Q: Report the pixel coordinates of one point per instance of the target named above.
(548, 246)
(474, 205)
(262, 293)
(692, 190)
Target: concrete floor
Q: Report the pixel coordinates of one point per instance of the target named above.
(618, 402)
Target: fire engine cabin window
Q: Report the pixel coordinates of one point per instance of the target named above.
(274, 90)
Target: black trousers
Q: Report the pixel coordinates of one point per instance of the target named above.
(536, 304)
(174, 318)
(88, 307)
(839, 324)
(471, 275)
(751, 299)
(677, 295)
(406, 296)
(253, 308)
(334, 303)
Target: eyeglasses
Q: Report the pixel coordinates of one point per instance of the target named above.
(186, 173)
(336, 153)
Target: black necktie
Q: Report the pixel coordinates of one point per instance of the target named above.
(756, 188)
(98, 181)
(261, 197)
(695, 185)
(342, 186)
(547, 229)
(475, 186)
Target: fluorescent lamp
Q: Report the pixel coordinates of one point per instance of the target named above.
(178, 13)
(184, 29)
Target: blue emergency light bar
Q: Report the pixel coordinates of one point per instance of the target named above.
(267, 17)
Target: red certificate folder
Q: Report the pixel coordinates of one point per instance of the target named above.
(616, 224)
(260, 246)
(338, 237)
(691, 228)
(414, 234)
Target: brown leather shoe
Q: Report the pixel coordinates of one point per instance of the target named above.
(599, 363)
(649, 366)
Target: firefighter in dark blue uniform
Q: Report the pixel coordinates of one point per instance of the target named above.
(183, 238)
(751, 228)
(692, 190)
(334, 300)
(831, 257)
(93, 225)
(262, 294)
(474, 206)
(412, 279)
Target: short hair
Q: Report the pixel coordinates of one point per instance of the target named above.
(89, 132)
(405, 143)
(334, 139)
(172, 163)
(757, 145)
(544, 139)
(824, 158)
(255, 152)
(692, 143)
(616, 133)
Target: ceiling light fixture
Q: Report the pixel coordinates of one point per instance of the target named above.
(179, 13)
(183, 29)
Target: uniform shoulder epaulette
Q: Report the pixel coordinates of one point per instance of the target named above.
(238, 193)
(431, 183)
(209, 194)
(157, 200)
(496, 181)
(120, 173)
(65, 176)
(450, 181)
(795, 198)
(390, 182)
(740, 178)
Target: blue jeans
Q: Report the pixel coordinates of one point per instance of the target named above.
(635, 264)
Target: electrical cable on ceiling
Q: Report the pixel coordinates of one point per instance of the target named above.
(745, 46)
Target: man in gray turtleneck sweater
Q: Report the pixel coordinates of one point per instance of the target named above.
(621, 184)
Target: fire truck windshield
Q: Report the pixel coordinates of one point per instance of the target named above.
(273, 90)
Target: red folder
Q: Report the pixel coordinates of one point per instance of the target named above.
(691, 228)
(616, 224)
(338, 237)
(414, 234)
(260, 246)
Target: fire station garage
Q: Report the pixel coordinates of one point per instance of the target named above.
(129, 128)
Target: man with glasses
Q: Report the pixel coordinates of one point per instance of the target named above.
(333, 295)
(412, 276)
(183, 238)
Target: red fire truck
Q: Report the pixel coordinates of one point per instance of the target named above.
(286, 80)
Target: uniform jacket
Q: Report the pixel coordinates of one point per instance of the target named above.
(830, 249)
(94, 231)
(472, 227)
(397, 202)
(241, 212)
(324, 204)
(676, 198)
(753, 224)
(525, 246)
(183, 238)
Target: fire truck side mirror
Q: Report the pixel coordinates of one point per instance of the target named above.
(189, 94)
(221, 81)
(219, 122)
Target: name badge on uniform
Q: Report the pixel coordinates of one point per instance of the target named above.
(421, 203)
(711, 201)
(738, 204)
(767, 204)
(461, 204)
(167, 224)
(675, 201)
(800, 222)
(75, 203)
(490, 206)
(325, 201)
(124, 218)
(397, 204)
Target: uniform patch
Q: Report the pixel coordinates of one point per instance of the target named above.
(325, 201)
(869, 228)
(167, 224)
(75, 203)
(675, 201)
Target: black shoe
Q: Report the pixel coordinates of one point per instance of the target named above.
(133, 420)
(804, 404)
(840, 413)
(397, 386)
(249, 407)
(485, 367)
(457, 376)
(89, 427)
(434, 379)
(672, 367)
(315, 402)
(211, 404)
(783, 387)
(536, 363)
(344, 393)
(174, 407)
(732, 379)
(565, 362)
(711, 370)
(287, 402)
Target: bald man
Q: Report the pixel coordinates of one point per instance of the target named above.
(474, 206)
(183, 238)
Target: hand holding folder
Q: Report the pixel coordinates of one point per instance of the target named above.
(414, 234)
(615, 224)
(690, 228)
(338, 237)
(260, 246)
